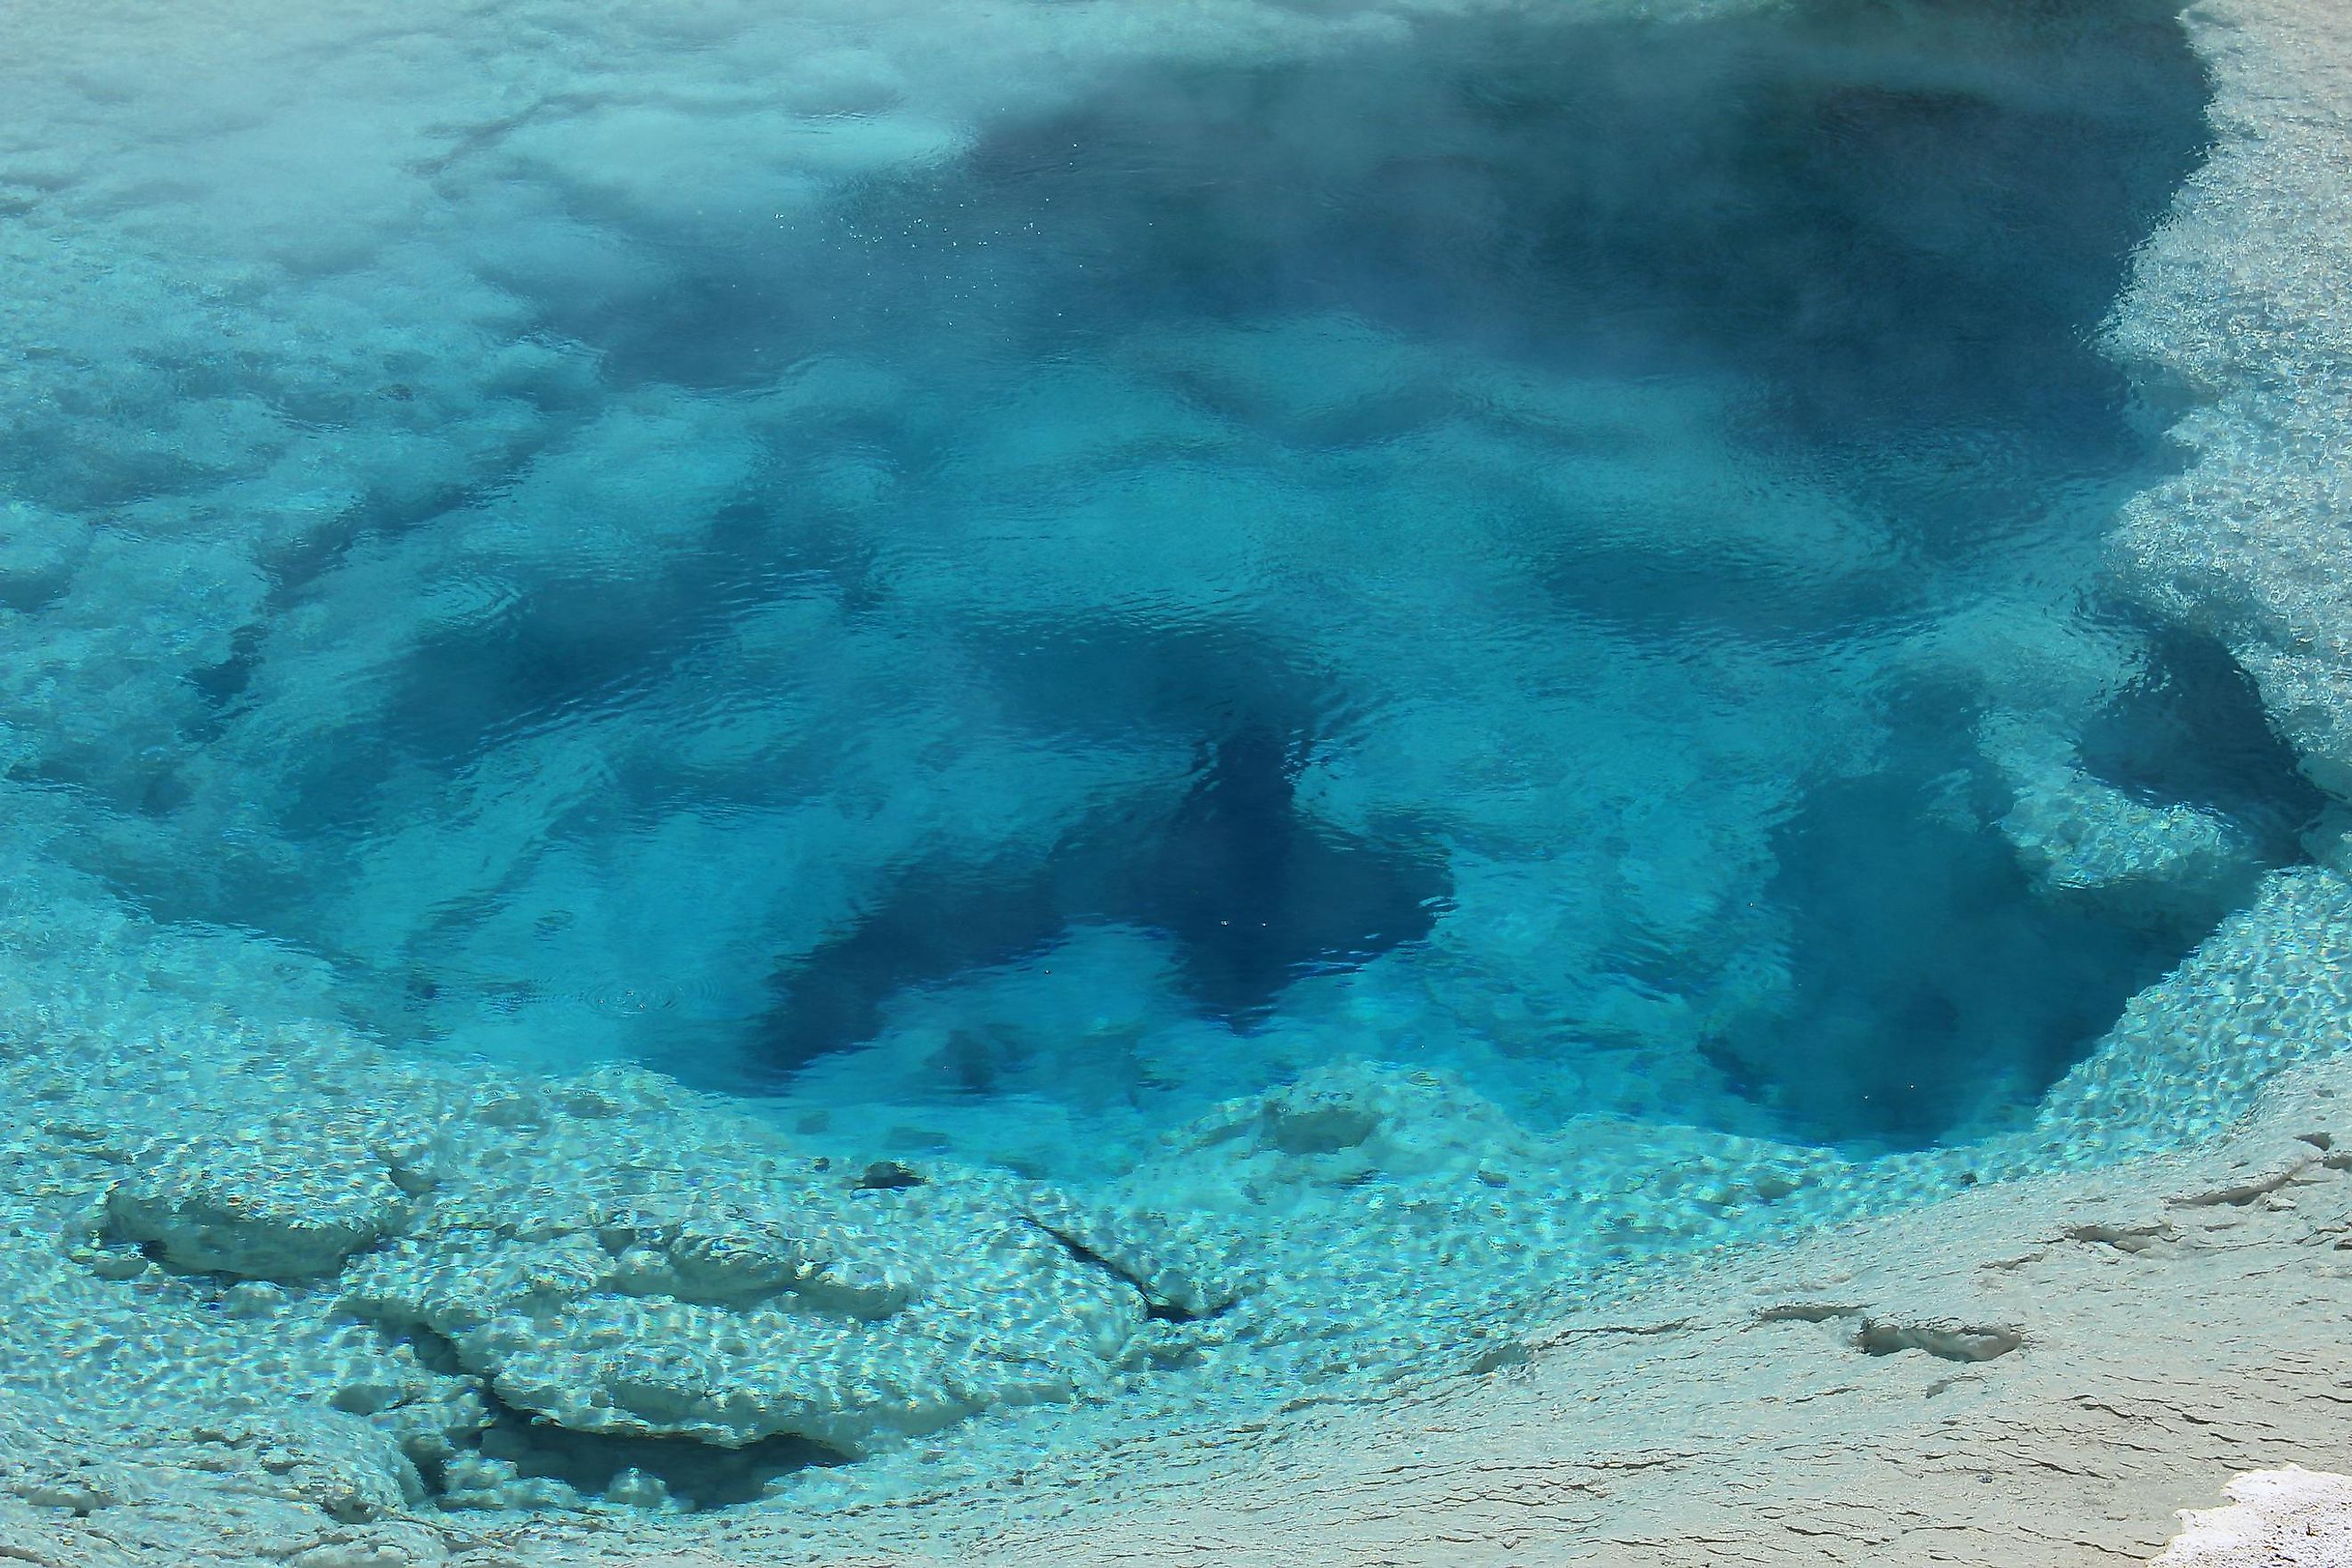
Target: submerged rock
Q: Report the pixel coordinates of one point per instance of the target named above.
(849, 1316)
(275, 1202)
(2077, 833)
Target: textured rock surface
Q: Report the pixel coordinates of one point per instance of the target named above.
(795, 1305)
(278, 1202)
(2240, 302)
(2037, 1374)
(2292, 1517)
(2051, 1366)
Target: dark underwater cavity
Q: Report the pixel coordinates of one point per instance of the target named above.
(2192, 728)
(1250, 893)
(697, 1476)
(1863, 203)
(1935, 987)
(1930, 983)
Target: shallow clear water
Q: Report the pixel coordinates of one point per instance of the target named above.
(1563, 550)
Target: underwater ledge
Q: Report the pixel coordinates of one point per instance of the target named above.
(2033, 1370)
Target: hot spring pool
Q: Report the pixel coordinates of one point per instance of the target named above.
(738, 741)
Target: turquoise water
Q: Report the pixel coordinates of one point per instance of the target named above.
(1505, 545)
(984, 624)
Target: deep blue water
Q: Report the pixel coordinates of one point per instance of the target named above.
(1514, 547)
